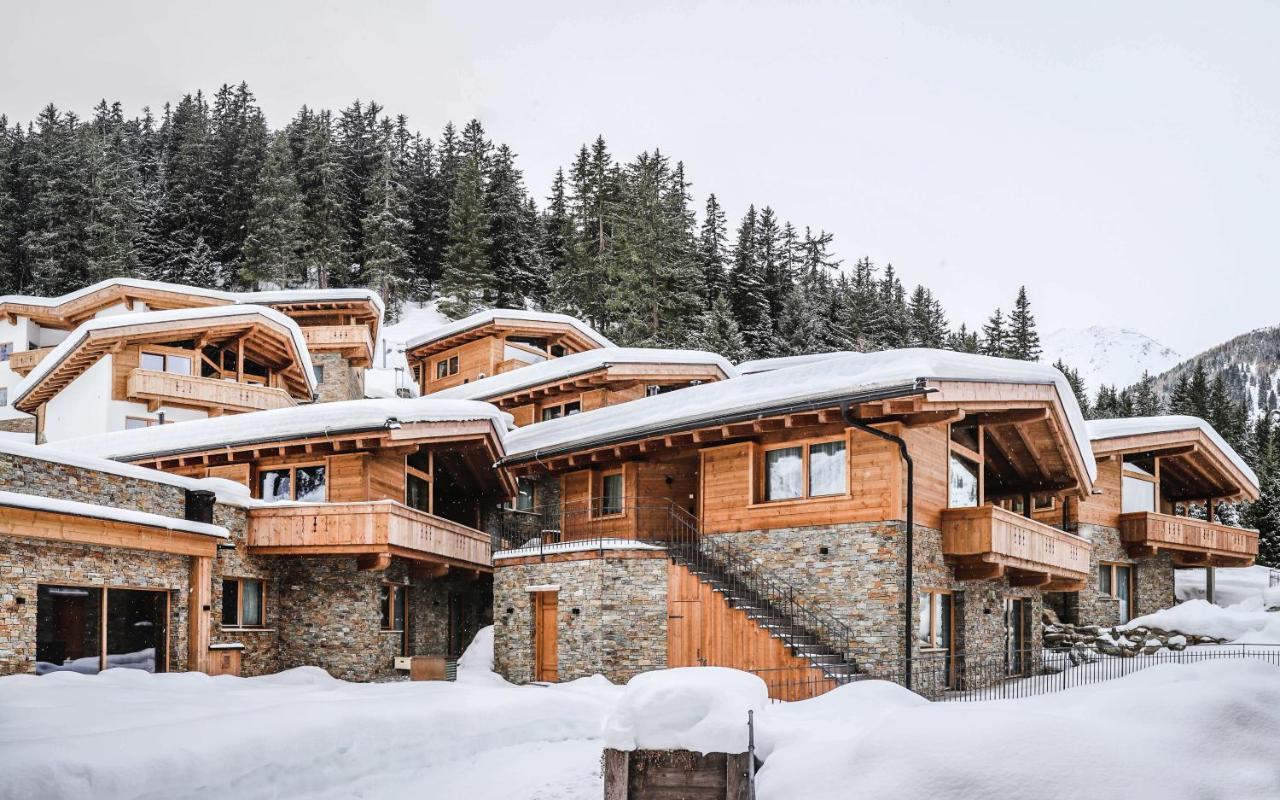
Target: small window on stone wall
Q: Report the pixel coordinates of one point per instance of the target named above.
(243, 602)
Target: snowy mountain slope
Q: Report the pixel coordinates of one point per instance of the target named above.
(1250, 363)
(1107, 355)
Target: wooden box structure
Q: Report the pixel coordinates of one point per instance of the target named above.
(676, 775)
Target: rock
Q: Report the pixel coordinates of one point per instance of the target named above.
(1049, 617)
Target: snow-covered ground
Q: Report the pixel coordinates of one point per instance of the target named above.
(1170, 732)
(1231, 586)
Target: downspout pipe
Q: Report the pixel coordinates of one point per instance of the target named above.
(907, 622)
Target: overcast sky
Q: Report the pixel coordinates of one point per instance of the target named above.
(1120, 159)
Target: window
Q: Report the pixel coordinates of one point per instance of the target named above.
(139, 422)
(933, 619)
(1137, 490)
(446, 367)
(611, 494)
(1017, 634)
(817, 469)
(318, 371)
(963, 483)
(242, 602)
(4, 396)
(565, 410)
(87, 629)
(524, 494)
(393, 601)
(1044, 502)
(166, 362)
(1116, 581)
(417, 487)
(303, 483)
(6, 350)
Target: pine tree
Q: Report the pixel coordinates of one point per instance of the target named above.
(467, 284)
(712, 250)
(746, 289)
(926, 321)
(719, 331)
(318, 172)
(557, 238)
(1023, 340)
(112, 225)
(1146, 401)
(385, 227)
(52, 245)
(1107, 404)
(995, 336)
(273, 249)
(1077, 385)
(11, 142)
(963, 340)
(238, 141)
(514, 256)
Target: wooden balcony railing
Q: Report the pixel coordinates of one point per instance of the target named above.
(379, 528)
(26, 360)
(1193, 542)
(353, 341)
(211, 393)
(989, 542)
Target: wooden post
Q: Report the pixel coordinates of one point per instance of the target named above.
(616, 778)
(199, 602)
(1026, 504)
(1208, 510)
(240, 360)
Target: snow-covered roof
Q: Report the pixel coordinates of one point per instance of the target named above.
(227, 492)
(281, 424)
(57, 505)
(824, 382)
(558, 369)
(1101, 429)
(80, 334)
(266, 297)
(493, 314)
(782, 362)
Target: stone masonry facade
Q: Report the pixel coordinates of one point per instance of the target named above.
(611, 615)
(341, 380)
(1152, 577)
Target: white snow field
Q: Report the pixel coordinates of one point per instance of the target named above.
(1167, 733)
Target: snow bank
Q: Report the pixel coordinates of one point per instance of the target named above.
(1100, 429)
(558, 369)
(782, 362)
(1174, 732)
(691, 708)
(299, 734)
(282, 423)
(1243, 623)
(825, 381)
(1231, 585)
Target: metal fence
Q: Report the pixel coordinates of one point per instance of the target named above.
(1275, 578)
(1005, 675)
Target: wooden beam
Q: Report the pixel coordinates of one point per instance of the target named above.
(924, 418)
(979, 571)
(1012, 417)
(199, 606)
(373, 562)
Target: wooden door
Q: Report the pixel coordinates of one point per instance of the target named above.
(546, 663)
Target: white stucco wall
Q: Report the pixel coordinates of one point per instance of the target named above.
(18, 333)
(80, 409)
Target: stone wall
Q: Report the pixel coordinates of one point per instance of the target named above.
(261, 654)
(330, 616)
(20, 425)
(612, 615)
(1154, 590)
(341, 380)
(26, 563)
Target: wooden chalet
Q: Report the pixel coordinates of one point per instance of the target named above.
(810, 460)
(562, 387)
(493, 342)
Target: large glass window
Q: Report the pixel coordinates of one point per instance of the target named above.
(611, 493)
(1138, 490)
(70, 626)
(933, 619)
(1116, 582)
(963, 483)
(524, 494)
(166, 362)
(417, 493)
(784, 473)
(304, 484)
(827, 469)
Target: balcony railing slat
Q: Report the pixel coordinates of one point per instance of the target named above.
(992, 533)
(192, 390)
(1149, 529)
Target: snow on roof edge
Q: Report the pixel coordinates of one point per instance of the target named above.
(243, 298)
(554, 369)
(58, 505)
(81, 333)
(1103, 429)
(488, 315)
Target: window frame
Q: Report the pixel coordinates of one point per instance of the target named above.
(104, 590)
(598, 484)
(166, 353)
(561, 409)
(933, 646)
(805, 446)
(239, 624)
(293, 480)
(6, 351)
(397, 594)
(1154, 480)
(1110, 567)
(451, 366)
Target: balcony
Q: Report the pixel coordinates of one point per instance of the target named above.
(352, 341)
(374, 531)
(164, 388)
(1192, 542)
(24, 361)
(988, 543)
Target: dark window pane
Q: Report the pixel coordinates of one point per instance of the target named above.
(251, 603)
(420, 460)
(385, 602)
(137, 629)
(966, 435)
(524, 494)
(318, 371)
(442, 369)
(572, 408)
(417, 493)
(611, 502)
(400, 593)
(310, 484)
(68, 629)
(230, 602)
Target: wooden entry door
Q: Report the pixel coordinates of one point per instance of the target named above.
(545, 655)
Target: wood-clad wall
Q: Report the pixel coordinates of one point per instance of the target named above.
(930, 452)
(476, 358)
(703, 630)
(349, 477)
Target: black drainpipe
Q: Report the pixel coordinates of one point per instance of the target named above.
(909, 634)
